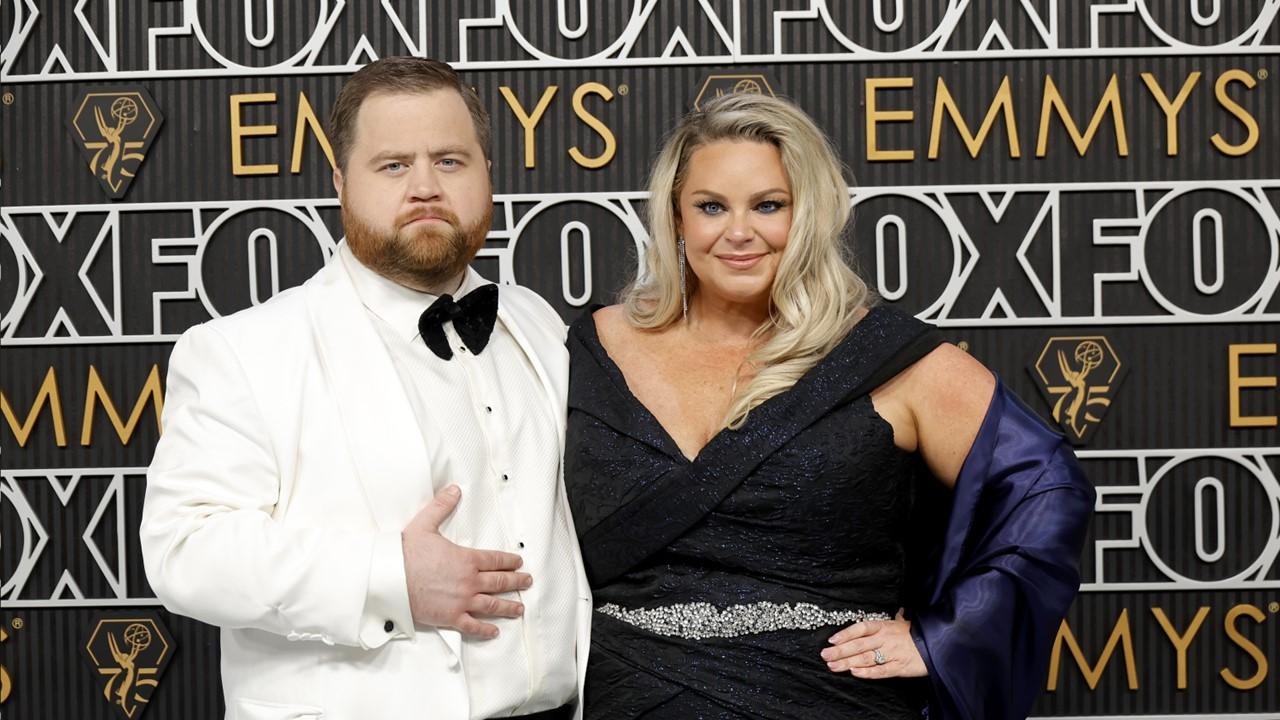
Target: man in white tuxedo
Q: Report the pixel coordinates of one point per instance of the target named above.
(359, 480)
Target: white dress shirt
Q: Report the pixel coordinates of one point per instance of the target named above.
(487, 428)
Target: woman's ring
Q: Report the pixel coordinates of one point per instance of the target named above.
(879, 657)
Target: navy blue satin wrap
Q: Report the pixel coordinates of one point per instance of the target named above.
(1003, 567)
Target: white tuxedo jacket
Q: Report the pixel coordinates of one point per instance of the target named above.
(289, 463)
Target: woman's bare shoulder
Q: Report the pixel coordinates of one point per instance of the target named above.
(949, 381)
(610, 315)
(615, 330)
(948, 392)
(610, 321)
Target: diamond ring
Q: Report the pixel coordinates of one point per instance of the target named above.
(879, 657)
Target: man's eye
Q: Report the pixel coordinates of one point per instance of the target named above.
(393, 167)
(450, 163)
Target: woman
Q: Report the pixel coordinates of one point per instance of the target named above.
(745, 437)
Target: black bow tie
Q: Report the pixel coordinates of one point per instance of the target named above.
(473, 316)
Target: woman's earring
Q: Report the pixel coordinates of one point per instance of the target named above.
(684, 287)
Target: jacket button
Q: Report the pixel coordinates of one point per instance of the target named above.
(388, 626)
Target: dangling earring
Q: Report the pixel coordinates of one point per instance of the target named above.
(684, 288)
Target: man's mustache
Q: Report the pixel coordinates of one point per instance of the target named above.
(409, 216)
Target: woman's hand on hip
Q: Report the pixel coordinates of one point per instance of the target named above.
(876, 649)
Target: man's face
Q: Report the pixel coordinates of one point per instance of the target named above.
(416, 199)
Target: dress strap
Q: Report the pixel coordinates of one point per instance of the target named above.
(906, 356)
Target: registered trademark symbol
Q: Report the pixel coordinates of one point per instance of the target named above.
(623, 89)
(17, 623)
(1274, 607)
(1262, 75)
(8, 98)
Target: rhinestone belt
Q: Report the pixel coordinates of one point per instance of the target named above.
(699, 620)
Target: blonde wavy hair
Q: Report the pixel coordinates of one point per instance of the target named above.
(816, 295)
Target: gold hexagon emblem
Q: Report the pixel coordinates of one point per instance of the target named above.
(1078, 377)
(114, 131)
(130, 654)
(721, 85)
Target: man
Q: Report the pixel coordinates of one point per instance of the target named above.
(359, 480)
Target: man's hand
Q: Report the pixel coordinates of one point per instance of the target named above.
(449, 584)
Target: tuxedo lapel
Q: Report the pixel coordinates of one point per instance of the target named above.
(372, 404)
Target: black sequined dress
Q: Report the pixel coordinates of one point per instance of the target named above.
(805, 506)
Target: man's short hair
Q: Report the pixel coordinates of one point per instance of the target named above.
(398, 75)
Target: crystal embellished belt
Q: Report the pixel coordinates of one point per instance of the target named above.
(699, 620)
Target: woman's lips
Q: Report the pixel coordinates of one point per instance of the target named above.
(740, 262)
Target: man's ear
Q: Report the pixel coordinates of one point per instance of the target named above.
(337, 181)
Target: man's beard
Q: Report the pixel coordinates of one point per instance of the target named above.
(423, 257)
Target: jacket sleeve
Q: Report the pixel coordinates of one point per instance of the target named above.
(1007, 570)
(211, 546)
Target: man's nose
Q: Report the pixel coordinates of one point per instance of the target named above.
(424, 183)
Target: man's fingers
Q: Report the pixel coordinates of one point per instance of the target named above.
(489, 560)
(494, 583)
(472, 627)
(494, 607)
(440, 507)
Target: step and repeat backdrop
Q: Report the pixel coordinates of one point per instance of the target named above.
(1082, 194)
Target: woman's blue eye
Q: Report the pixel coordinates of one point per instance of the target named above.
(769, 207)
(710, 207)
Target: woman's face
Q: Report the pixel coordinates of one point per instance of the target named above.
(734, 214)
